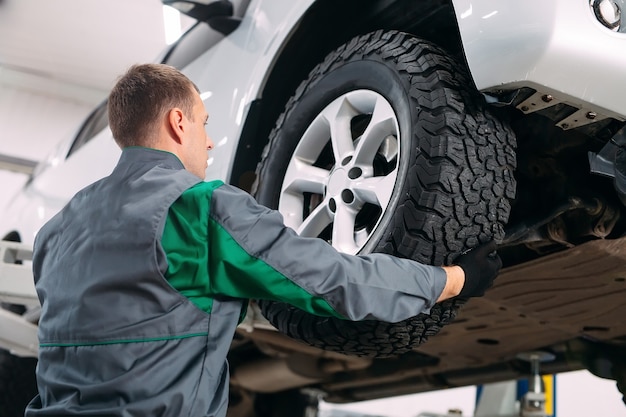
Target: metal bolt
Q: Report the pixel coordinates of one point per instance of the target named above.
(564, 126)
(547, 98)
(524, 108)
(591, 115)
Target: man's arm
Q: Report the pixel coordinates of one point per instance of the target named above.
(455, 279)
(253, 255)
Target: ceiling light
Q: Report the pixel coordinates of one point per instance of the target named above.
(171, 23)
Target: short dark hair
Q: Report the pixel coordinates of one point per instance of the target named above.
(142, 96)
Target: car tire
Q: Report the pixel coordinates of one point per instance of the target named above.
(18, 384)
(400, 116)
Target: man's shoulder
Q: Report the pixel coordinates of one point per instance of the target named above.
(205, 187)
(200, 193)
(222, 197)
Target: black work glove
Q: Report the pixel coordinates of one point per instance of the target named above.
(481, 266)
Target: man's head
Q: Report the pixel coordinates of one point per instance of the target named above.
(157, 106)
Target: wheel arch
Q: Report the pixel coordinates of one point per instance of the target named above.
(319, 31)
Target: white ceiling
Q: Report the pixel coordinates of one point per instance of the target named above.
(84, 43)
(67, 52)
(59, 59)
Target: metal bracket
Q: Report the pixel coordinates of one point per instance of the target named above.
(536, 102)
(539, 101)
(16, 276)
(580, 118)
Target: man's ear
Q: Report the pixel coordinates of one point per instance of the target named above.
(176, 124)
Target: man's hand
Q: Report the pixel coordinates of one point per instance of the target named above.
(481, 266)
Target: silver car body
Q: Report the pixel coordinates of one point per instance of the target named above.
(511, 44)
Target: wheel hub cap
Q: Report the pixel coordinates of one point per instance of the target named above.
(337, 183)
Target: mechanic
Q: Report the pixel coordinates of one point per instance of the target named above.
(145, 274)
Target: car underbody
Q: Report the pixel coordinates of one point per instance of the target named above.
(548, 305)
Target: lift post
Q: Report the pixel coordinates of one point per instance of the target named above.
(534, 401)
(501, 399)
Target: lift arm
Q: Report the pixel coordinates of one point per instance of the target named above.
(18, 332)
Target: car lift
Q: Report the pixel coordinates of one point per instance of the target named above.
(18, 332)
(501, 399)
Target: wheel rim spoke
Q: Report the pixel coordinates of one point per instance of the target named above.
(338, 116)
(382, 124)
(316, 222)
(376, 190)
(343, 230)
(290, 206)
(302, 177)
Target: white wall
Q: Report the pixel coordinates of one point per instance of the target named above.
(578, 394)
(37, 112)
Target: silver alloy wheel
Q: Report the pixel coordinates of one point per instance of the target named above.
(341, 176)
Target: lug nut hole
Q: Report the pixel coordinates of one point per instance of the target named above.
(347, 196)
(355, 173)
(332, 205)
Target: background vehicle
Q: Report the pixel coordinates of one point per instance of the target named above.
(418, 128)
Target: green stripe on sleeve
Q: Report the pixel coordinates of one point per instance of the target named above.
(236, 273)
(205, 262)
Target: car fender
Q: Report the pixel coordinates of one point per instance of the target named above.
(231, 74)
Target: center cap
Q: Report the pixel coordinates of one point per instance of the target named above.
(337, 182)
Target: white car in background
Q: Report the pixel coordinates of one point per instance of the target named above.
(418, 128)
